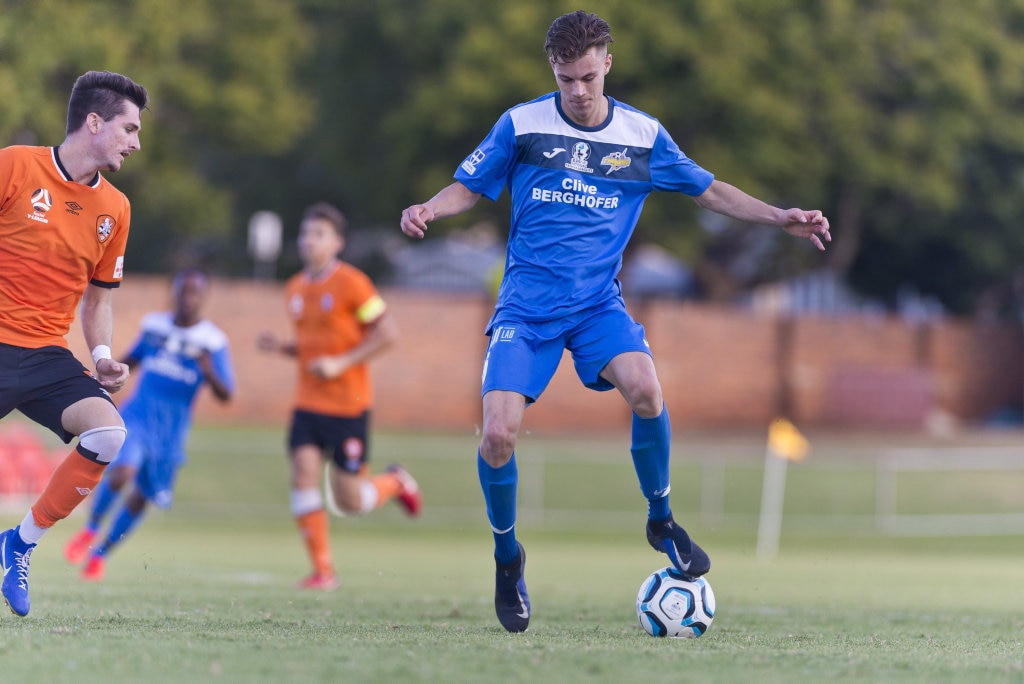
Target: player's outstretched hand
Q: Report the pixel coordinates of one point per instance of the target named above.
(414, 220)
(808, 224)
(112, 375)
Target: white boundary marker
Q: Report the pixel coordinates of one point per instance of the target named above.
(956, 459)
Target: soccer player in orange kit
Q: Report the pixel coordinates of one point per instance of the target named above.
(63, 230)
(341, 322)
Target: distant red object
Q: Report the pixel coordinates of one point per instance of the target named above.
(25, 463)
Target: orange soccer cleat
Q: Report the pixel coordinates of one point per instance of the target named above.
(409, 496)
(319, 581)
(78, 546)
(95, 569)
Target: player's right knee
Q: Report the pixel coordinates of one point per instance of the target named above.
(497, 448)
(102, 444)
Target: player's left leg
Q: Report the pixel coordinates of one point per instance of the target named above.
(634, 375)
(152, 482)
(610, 350)
(362, 492)
(355, 491)
(126, 520)
(101, 434)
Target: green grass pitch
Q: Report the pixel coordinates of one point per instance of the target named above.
(204, 592)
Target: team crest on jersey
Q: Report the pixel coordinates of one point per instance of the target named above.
(616, 161)
(296, 305)
(580, 155)
(104, 227)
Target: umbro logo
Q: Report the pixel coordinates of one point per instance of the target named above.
(554, 153)
(84, 491)
(73, 208)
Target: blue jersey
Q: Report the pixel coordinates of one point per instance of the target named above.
(159, 412)
(577, 193)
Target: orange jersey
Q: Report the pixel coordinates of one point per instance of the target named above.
(56, 237)
(330, 315)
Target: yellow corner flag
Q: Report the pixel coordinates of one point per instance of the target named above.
(785, 441)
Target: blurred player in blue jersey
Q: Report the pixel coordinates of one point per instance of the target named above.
(579, 165)
(179, 352)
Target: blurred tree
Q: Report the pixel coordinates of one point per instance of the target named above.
(899, 119)
(220, 77)
(886, 115)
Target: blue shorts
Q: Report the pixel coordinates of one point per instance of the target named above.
(344, 438)
(523, 357)
(156, 471)
(42, 382)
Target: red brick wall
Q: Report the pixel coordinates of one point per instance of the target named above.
(718, 367)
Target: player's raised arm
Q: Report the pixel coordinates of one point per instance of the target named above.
(454, 199)
(729, 200)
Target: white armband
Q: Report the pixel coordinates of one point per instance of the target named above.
(100, 351)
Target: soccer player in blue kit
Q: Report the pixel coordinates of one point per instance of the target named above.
(579, 165)
(179, 351)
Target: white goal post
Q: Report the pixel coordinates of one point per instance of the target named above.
(960, 459)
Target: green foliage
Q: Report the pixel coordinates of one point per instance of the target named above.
(899, 120)
(220, 77)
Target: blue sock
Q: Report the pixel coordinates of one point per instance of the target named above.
(499, 488)
(103, 497)
(123, 524)
(650, 449)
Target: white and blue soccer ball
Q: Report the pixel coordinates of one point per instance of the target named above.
(670, 604)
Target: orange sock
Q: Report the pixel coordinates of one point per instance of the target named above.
(387, 486)
(70, 483)
(315, 534)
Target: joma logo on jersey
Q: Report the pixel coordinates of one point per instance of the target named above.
(616, 161)
(104, 227)
(469, 166)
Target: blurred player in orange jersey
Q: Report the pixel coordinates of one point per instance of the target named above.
(341, 322)
(63, 230)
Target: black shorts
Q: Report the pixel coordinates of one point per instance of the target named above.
(345, 439)
(42, 382)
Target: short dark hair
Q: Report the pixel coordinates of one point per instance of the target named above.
(184, 274)
(103, 92)
(328, 212)
(572, 34)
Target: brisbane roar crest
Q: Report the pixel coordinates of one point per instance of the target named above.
(104, 227)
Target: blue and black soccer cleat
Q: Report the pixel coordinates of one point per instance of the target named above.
(14, 557)
(511, 602)
(671, 539)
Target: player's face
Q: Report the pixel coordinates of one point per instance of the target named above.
(319, 243)
(581, 84)
(189, 297)
(117, 138)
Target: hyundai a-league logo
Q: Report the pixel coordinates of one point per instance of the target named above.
(41, 200)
